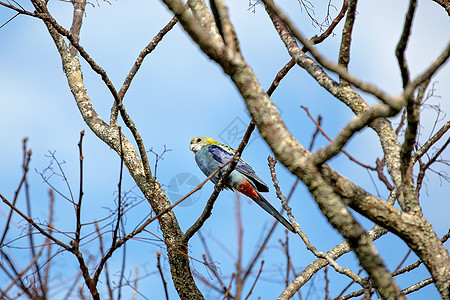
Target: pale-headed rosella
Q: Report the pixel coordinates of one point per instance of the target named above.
(210, 154)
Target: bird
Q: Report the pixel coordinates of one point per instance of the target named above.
(210, 154)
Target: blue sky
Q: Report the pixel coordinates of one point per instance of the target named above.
(179, 94)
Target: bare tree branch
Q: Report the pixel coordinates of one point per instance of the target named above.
(19, 275)
(256, 280)
(430, 142)
(146, 51)
(403, 42)
(79, 7)
(344, 51)
(76, 241)
(158, 265)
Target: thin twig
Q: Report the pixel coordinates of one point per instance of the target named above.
(158, 157)
(43, 284)
(32, 223)
(212, 268)
(430, 142)
(327, 283)
(21, 283)
(316, 133)
(16, 194)
(80, 196)
(233, 276)
(122, 269)
(137, 64)
(79, 7)
(19, 275)
(119, 196)
(20, 11)
(158, 265)
(403, 260)
(256, 280)
(210, 264)
(288, 257)
(51, 215)
(348, 286)
(426, 166)
(102, 253)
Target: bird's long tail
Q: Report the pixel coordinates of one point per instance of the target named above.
(272, 210)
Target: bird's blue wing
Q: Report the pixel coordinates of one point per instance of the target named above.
(223, 156)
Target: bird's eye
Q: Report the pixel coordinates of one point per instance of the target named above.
(199, 140)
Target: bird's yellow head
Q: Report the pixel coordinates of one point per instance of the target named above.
(199, 142)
